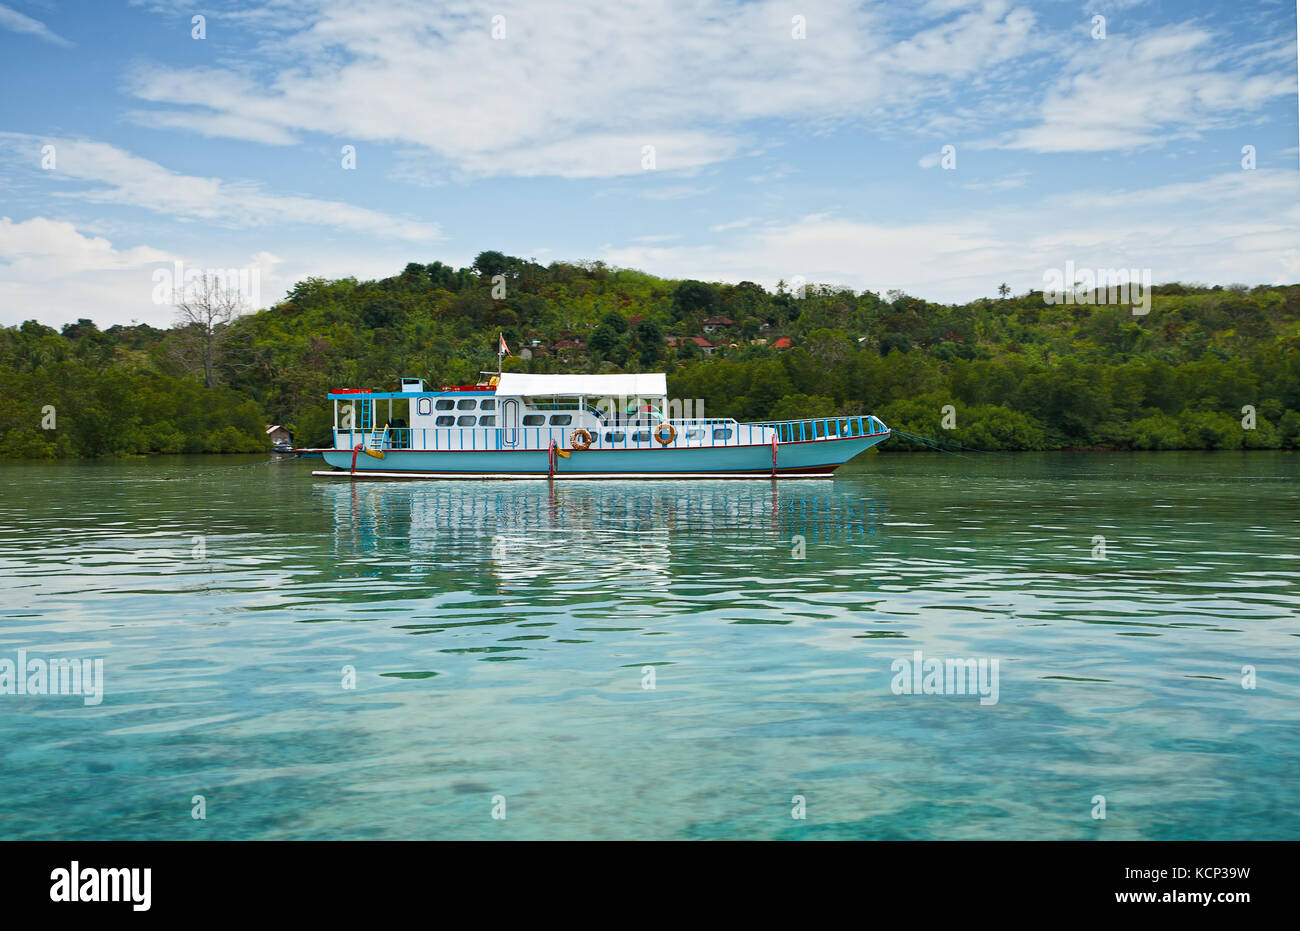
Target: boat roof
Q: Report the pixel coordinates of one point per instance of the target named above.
(525, 385)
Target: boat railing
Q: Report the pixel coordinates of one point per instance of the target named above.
(695, 432)
(824, 428)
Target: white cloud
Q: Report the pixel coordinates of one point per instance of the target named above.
(733, 225)
(45, 248)
(574, 91)
(51, 272)
(1161, 228)
(14, 21)
(1006, 183)
(674, 192)
(121, 178)
(220, 125)
(603, 155)
(55, 273)
(970, 43)
(1265, 187)
(1125, 93)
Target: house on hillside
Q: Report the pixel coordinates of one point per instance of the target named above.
(674, 342)
(783, 343)
(713, 324)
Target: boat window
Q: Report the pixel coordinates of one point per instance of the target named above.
(695, 434)
(561, 420)
(424, 406)
(445, 404)
(489, 420)
(641, 436)
(615, 437)
(487, 404)
(722, 434)
(444, 421)
(534, 420)
(554, 404)
(466, 420)
(466, 404)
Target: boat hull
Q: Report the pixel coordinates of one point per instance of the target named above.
(810, 459)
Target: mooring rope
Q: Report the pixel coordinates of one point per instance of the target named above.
(937, 446)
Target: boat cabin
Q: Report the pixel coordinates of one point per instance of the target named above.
(525, 411)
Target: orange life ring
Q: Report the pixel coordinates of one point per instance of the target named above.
(659, 433)
(585, 439)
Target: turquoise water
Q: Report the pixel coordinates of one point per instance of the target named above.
(500, 635)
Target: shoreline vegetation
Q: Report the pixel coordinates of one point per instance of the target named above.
(1205, 368)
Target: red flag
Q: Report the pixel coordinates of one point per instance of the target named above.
(503, 349)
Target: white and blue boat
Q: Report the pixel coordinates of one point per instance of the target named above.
(526, 426)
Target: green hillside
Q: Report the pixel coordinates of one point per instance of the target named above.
(1018, 373)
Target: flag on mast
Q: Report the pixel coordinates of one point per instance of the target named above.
(503, 349)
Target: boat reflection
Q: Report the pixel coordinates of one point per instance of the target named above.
(585, 532)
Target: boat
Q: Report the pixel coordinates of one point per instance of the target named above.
(534, 426)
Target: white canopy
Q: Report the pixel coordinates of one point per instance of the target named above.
(519, 384)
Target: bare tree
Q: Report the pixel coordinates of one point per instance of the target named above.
(205, 308)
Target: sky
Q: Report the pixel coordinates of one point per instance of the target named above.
(937, 147)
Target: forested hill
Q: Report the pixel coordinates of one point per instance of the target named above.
(1018, 373)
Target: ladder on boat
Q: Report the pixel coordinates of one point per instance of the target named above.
(376, 443)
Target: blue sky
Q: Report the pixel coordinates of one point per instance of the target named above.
(774, 155)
